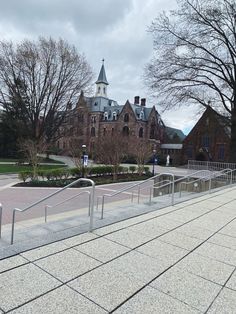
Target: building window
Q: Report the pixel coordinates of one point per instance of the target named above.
(92, 131)
(104, 90)
(189, 151)
(221, 152)
(93, 119)
(126, 117)
(105, 116)
(112, 131)
(99, 89)
(205, 140)
(140, 132)
(114, 115)
(125, 131)
(152, 131)
(104, 131)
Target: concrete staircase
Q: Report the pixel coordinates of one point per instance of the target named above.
(35, 232)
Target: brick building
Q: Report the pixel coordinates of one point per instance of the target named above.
(94, 117)
(209, 139)
(97, 116)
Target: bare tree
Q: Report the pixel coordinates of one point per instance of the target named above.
(142, 151)
(39, 81)
(31, 149)
(111, 149)
(195, 58)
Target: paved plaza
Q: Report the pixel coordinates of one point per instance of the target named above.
(179, 259)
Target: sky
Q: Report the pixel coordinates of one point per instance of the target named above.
(115, 30)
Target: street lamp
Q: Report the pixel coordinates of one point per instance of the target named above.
(153, 165)
(83, 159)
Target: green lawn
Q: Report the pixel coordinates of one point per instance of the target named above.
(7, 168)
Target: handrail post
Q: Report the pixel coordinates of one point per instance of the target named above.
(138, 193)
(150, 196)
(13, 225)
(45, 213)
(103, 200)
(0, 220)
(92, 207)
(210, 183)
(173, 190)
(89, 207)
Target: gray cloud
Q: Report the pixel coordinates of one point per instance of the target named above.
(112, 29)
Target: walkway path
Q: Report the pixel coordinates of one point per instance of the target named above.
(183, 261)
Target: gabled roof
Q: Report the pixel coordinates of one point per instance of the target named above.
(171, 132)
(102, 76)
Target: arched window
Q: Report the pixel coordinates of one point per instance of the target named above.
(105, 115)
(104, 131)
(126, 117)
(92, 131)
(152, 131)
(99, 89)
(112, 131)
(114, 115)
(140, 132)
(125, 131)
(104, 90)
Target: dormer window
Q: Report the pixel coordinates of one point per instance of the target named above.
(114, 115)
(105, 115)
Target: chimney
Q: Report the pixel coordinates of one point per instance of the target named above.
(136, 100)
(143, 102)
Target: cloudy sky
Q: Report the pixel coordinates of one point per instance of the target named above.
(115, 30)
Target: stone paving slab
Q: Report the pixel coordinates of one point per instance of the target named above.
(225, 303)
(152, 301)
(232, 282)
(23, 284)
(102, 249)
(223, 240)
(106, 287)
(43, 251)
(140, 266)
(207, 268)
(188, 288)
(61, 300)
(76, 240)
(181, 240)
(163, 251)
(67, 265)
(12, 262)
(217, 252)
(128, 238)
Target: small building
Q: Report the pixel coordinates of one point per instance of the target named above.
(209, 139)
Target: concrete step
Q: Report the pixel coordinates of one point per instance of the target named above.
(35, 232)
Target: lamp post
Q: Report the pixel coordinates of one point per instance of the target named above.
(83, 159)
(153, 165)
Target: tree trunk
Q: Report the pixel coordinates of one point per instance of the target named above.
(232, 157)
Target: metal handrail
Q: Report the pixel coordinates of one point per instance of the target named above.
(55, 193)
(128, 188)
(209, 178)
(138, 184)
(68, 199)
(0, 220)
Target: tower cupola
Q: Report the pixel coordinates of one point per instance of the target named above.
(101, 83)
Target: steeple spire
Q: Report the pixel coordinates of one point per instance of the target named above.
(102, 82)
